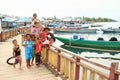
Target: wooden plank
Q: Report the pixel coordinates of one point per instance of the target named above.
(72, 71)
(92, 76)
(84, 74)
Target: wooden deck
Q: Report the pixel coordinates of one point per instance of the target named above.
(7, 72)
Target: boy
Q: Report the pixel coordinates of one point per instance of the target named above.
(28, 44)
(38, 48)
(17, 54)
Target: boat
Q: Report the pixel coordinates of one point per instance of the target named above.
(112, 46)
(74, 30)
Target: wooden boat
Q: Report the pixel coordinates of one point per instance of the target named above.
(74, 30)
(88, 44)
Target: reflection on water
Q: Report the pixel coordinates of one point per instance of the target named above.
(80, 51)
(100, 56)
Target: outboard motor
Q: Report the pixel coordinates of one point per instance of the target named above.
(113, 39)
(100, 39)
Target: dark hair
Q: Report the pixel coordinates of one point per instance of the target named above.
(14, 40)
(27, 35)
(35, 14)
(47, 29)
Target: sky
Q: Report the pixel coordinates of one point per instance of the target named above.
(62, 8)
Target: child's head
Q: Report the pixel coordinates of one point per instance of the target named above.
(14, 42)
(33, 37)
(36, 24)
(35, 15)
(39, 39)
(28, 36)
(47, 30)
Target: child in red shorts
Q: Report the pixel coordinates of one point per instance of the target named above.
(16, 53)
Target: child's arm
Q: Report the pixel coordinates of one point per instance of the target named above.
(13, 52)
(24, 43)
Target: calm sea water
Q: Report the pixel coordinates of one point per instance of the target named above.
(102, 57)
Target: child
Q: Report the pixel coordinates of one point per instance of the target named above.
(33, 49)
(17, 54)
(35, 30)
(28, 44)
(38, 48)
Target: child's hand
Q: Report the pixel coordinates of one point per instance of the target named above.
(26, 44)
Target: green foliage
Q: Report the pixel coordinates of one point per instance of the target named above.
(93, 19)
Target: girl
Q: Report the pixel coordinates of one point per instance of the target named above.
(28, 44)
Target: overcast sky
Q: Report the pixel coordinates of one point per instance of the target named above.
(62, 8)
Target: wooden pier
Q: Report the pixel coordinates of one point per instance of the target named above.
(57, 62)
(7, 72)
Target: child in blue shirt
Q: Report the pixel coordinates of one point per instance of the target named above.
(28, 44)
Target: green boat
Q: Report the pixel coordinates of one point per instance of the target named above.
(111, 46)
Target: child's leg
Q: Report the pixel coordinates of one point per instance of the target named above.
(32, 60)
(16, 61)
(29, 62)
(37, 59)
(14, 65)
(20, 61)
(40, 58)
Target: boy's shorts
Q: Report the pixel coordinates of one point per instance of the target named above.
(18, 59)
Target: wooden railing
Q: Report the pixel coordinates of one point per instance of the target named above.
(75, 67)
(6, 34)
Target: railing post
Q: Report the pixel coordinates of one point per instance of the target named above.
(47, 48)
(58, 61)
(112, 75)
(77, 69)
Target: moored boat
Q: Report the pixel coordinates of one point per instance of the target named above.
(74, 30)
(89, 44)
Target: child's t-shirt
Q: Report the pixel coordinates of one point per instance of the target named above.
(17, 50)
(38, 47)
(35, 30)
(28, 48)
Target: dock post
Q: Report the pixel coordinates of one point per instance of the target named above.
(77, 69)
(58, 61)
(113, 68)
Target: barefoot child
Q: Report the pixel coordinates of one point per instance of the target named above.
(28, 44)
(17, 54)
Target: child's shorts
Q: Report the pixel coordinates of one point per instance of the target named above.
(18, 59)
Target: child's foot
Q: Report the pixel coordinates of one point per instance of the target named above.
(32, 64)
(20, 68)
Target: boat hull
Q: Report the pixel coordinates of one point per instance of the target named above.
(76, 31)
(108, 45)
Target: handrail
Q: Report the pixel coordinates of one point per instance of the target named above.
(83, 58)
(70, 65)
(6, 34)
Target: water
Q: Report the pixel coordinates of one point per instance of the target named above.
(102, 57)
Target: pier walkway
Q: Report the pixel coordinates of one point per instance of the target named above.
(56, 62)
(7, 72)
